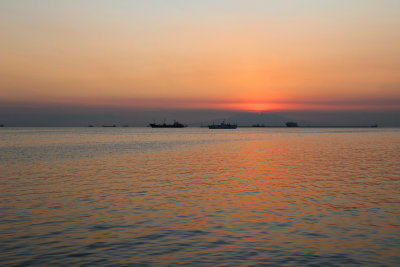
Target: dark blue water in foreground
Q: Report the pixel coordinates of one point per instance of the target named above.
(194, 196)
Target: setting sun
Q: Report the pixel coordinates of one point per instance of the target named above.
(200, 133)
(256, 107)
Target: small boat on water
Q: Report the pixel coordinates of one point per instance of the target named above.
(176, 124)
(222, 125)
(109, 125)
(292, 124)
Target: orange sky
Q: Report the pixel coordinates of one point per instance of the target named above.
(245, 55)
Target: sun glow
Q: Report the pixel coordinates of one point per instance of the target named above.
(156, 56)
(256, 106)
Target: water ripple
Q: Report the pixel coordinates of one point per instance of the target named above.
(139, 197)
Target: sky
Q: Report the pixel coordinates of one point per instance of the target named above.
(258, 56)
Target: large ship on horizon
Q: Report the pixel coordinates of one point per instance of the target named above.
(176, 124)
(222, 125)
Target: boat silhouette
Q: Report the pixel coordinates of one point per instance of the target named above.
(176, 124)
(292, 124)
(222, 125)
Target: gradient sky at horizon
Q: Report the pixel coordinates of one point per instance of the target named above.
(244, 55)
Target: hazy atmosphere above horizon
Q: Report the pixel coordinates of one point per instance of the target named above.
(228, 55)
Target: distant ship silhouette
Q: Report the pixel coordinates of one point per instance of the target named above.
(222, 125)
(292, 124)
(176, 124)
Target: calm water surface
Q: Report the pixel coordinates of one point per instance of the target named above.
(194, 196)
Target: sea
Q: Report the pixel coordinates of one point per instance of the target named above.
(199, 197)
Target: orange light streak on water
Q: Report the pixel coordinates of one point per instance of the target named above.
(195, 195)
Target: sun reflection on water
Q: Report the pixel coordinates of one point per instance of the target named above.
(255, 196)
